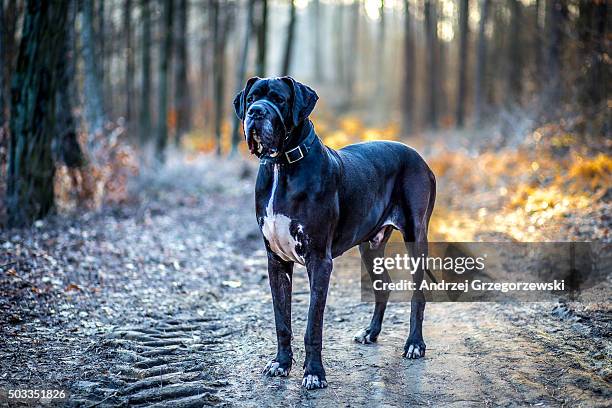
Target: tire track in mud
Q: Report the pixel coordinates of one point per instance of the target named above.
(165, 362)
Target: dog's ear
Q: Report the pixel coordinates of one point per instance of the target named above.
(304, 99)
(240, 98)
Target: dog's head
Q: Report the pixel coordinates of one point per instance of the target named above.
(270, 108)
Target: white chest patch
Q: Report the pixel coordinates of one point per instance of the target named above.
(276, 229)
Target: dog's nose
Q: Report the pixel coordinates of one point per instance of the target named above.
(256, 112)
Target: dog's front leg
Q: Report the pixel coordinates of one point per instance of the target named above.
(319, 271)
(280, 274)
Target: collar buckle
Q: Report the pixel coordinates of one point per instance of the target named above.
(288, 154)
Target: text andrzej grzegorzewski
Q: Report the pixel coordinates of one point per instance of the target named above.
(486, 272)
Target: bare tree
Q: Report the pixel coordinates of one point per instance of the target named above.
(100, 32)
(11, 15)
(205, 61)
(93, 97)
(2, 73)
(262, 30)
(591, 25)
(339, 42)
(289, 43)
(514, 80)
(129, 60)
(431, 37)
(481, 60)
(464, 7)
(538, 40)
(241, 71)
(409, 79)
(380, 49)
(556, 13)
(220, 29)
(182, 96)
(66, 144)
(165, 55)
(31, 168)
(352, 49)
(12, 12)
(145, 85)
(316, 18)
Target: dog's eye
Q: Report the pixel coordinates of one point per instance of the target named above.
(249, 99)
(279, 99)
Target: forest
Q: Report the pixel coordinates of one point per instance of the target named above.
(126, 188)
(131, 78)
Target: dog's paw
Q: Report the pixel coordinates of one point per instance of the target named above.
(276, 369)
(314, 376)
(414, 349)
(365, 336)
(313, 381)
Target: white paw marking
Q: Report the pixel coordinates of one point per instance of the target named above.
(276, 229)
(363, 337)
(414, 352)
(310, 382)
(273, 369)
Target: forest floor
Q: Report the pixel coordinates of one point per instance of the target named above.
(164, 301)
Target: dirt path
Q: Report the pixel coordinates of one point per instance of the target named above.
(167, 302)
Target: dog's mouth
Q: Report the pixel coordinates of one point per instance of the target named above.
(254, 142)
(259, 136)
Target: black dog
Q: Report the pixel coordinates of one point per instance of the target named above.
(314, 203)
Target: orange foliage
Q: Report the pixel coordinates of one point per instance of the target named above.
(104, 178)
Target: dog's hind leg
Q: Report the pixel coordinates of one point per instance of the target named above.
(420, 197)
(368, 254)
(415, 346)
(280, 274)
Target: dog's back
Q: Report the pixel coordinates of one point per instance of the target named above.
(377, 179)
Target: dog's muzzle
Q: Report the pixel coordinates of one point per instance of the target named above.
(274, 108)
(263, 110)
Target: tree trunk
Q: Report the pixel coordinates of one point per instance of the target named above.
(409, 61)
(66, 142)
(442, 102)
(100, 47)
(165, 55)
(182, 97)
(31, 168)
(463, 57)
(94, 103)
(538, 49)
(353, 52)
(129, 61)
(145, 85)
(556, 13)
(205, 68)
(262, 29)
(221, 26)
(432, 66)
(289, 43)
(380, 57)
(495, 79)
(8, 28)
(241, 72)
(339, 42)
(514, 81)
(3, 39)
(317, 50)
(481, 60)
(591, 27)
